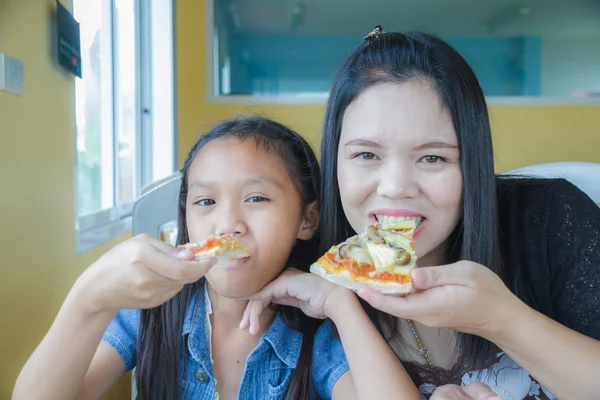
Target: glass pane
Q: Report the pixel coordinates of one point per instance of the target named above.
(93, 104)
(162, 82)
(525, 48)
(125, 98)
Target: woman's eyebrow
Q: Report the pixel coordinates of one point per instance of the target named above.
(362, 142)
(436, 145)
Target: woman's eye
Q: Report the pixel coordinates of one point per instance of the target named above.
(205, 202)
(432, 159)
(365, 155)
(256, 199)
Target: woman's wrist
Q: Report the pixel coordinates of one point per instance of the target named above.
(507, 315)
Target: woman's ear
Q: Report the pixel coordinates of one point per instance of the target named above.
(310, 221)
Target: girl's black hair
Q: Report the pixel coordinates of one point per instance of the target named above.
(160, 343)
(414, 56)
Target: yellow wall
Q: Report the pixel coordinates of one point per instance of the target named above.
(522, 135)
(36, 191)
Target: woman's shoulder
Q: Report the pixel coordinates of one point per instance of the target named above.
(533, 196)
(550, 242)
(509, 185)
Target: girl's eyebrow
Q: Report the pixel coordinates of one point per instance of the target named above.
(258, 180)
(198, 184)
(262, 180)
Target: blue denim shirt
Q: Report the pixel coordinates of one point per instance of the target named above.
(268, 368)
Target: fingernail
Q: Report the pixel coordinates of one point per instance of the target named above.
(183, 254)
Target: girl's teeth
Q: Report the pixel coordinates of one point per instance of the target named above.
(386, 219)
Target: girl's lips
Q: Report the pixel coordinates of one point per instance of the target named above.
(237, 263)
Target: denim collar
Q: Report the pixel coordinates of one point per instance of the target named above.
(285, 341)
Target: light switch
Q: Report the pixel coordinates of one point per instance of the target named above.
(11, 74)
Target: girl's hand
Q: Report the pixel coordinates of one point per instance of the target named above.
(315, 296)
(464, 296)
(472, 391)
(142, 272)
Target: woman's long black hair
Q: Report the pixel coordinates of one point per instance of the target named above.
(160, 344)
(397, 58)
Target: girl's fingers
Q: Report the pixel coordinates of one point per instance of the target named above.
(256, 308)
(287, 301)
(181, 271)
(245, 322)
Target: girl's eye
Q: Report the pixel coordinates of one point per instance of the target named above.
(432, 159)
(205, 202)
(365, 155)
(256, 199)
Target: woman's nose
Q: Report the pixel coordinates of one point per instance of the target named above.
(396, 182)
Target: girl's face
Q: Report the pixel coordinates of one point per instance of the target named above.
(398, 157)
(237, 187)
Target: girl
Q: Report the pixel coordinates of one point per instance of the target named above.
(255, 179)
(509, 269)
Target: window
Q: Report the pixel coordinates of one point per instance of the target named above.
(288, 50)
(124, 141)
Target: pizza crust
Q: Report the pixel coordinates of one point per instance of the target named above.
(229, 249)
(222, 256)
(345, 279)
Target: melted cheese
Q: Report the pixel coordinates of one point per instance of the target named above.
(378, 258)
(408, 225)
(398, 240)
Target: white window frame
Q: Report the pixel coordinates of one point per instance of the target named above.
(100, 226)
(213, 96)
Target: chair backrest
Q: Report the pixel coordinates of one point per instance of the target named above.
(157, 206)
(584, 175)
(152, 211)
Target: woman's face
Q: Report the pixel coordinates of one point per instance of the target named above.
(398, 158)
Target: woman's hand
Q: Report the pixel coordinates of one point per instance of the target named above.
(464, 296)
(472, 391)
(142, 272)
(315, 296)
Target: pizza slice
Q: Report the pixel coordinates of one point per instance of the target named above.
(224, 248)
(381, 258)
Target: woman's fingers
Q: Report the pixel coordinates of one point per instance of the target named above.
(459, 274)
(450, 392)
(400, 306)
(472, 391)
(480, 391)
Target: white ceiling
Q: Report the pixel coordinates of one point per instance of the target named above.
(443, 17)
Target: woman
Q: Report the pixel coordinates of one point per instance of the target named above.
(508, 284)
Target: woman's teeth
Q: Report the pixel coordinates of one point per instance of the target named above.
(386, 219)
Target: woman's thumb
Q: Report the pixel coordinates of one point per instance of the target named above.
(480, 391)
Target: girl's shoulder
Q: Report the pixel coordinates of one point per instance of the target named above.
(329, 360)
